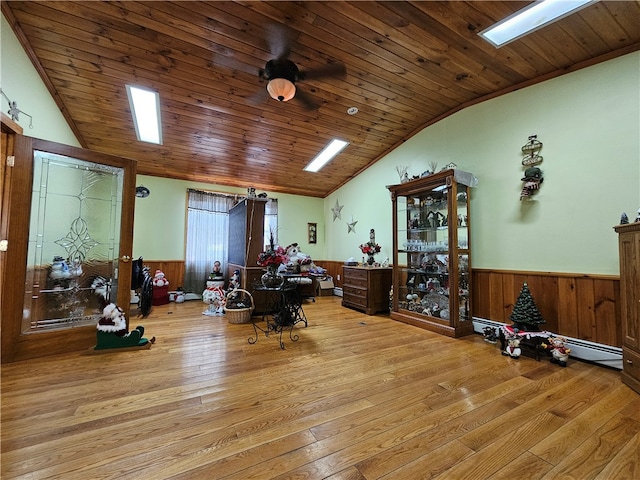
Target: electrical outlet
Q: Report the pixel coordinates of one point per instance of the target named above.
(338, 277)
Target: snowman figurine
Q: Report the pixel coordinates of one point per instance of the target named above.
(214, 295)
(159, 279)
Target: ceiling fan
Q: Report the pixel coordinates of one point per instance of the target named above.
(281, 74)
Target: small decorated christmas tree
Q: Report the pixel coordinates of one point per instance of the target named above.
(525, 315)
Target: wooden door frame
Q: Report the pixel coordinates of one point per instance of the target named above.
(9, 131)
(15, 344)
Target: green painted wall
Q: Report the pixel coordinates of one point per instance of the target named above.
(22, 84)
(589, 124)
(160, 219)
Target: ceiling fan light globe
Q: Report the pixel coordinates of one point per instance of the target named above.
(281, 89)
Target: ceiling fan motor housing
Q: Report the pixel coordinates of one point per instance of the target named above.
(282, 75)
(282, 68)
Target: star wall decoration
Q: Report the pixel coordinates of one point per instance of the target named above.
(352, 225)
(336, 211)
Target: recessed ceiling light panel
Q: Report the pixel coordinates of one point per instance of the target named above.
(531, 18)
(145, 108)
(331, 150)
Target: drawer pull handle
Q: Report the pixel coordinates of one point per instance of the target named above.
(630, 362)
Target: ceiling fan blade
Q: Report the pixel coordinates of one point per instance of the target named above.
(279, 38)
(306, 100)
(329, 70)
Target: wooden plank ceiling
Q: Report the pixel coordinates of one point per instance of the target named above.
(408, 64)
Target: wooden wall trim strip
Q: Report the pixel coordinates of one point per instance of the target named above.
(546, 274)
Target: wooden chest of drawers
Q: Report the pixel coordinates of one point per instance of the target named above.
(366, 288)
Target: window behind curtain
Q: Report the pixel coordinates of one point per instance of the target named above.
(207, 236)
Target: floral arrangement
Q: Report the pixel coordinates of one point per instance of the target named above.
(370, 248)
(273, 256)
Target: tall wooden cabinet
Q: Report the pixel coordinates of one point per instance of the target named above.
(629, 245)
(431, 252)
(246, 241)
(366, 288)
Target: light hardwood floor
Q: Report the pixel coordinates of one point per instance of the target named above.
(357, 397)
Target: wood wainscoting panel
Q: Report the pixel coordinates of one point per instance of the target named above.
(568, 307)
(606, 308)
(576, 305)
(586, 308)
(173, 271)
(333, 268)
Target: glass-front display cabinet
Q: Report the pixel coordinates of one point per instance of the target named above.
(431, 252)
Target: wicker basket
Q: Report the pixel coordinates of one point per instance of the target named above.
(239, 315)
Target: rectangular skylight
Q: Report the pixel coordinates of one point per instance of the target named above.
(529, 19)
(145, 108)
(331, 150)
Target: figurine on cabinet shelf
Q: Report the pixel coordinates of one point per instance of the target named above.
(370, 248)
(449, 166)
(624, 218)
(402, 173)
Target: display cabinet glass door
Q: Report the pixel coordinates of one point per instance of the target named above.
(462, 237)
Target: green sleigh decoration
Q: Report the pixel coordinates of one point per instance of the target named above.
(112, 327)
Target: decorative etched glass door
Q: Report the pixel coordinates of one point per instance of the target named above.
(73, 240)
(70, 221)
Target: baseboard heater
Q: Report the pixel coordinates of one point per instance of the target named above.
(593, 352)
